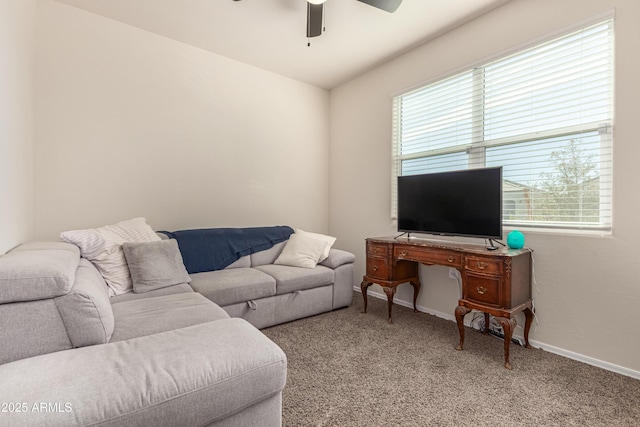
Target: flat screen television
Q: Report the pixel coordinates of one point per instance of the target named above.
(460, 203)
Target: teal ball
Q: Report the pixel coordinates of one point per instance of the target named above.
(515, 240)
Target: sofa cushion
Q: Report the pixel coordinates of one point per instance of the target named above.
(86, 309)
(48, 245)
(267, 256)
(103, 247)
(169, 290)
(37, 272)
(155, 265)
(192, 376)
(149, 316)
(234, 285)
(290, 279)
(244, 262)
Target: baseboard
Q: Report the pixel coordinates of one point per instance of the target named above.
(537, 344)
(586, 359)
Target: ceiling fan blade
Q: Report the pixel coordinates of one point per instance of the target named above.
(386, 5)
(314, 19)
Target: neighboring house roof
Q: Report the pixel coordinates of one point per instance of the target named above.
(509, 186)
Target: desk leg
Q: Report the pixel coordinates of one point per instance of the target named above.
(486, 324)
(390, 291)
(416, 290)
(508, 325)
(461, 311)
(363, 287)
(528, 314)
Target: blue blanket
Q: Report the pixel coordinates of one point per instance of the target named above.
(210, 249)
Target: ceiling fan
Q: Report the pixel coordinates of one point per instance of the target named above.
(315, 13)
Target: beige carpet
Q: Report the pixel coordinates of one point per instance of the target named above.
(352, 369)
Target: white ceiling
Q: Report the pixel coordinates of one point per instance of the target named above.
(271, 34)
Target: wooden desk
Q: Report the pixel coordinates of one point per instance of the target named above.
(496, 282)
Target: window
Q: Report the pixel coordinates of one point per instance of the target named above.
(545, 114)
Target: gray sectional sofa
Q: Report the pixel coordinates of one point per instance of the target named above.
(181, 355)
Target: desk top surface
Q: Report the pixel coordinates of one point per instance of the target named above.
(448, 245)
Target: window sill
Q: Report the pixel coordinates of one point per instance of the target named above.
(559, 231)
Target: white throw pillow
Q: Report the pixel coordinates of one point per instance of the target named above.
(301, 251)
(103, 247)
(328, 239)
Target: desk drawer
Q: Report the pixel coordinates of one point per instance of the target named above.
(485, 290)
(484, 265)
(377, 249)
(377, 268)
(429, 256)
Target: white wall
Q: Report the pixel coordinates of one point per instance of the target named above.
(588, 288)
(134, 124)
(17, 52)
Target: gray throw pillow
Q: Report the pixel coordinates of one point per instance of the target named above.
(155, 265)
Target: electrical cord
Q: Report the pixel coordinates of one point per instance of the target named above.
(535, 287)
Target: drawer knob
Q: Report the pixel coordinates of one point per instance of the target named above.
(404, 253)
(482, 265)
(481, 290)
(375, 268)
(375, 250)
(451, 259)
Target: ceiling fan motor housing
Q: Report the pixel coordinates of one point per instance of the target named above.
(315, 13)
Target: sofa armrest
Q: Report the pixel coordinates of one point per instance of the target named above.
(190, 376)
(337, 258)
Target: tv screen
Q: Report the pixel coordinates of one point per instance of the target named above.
(459, 203)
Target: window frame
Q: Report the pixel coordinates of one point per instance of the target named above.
(477, 148)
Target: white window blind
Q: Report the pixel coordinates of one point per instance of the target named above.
(545, 114)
